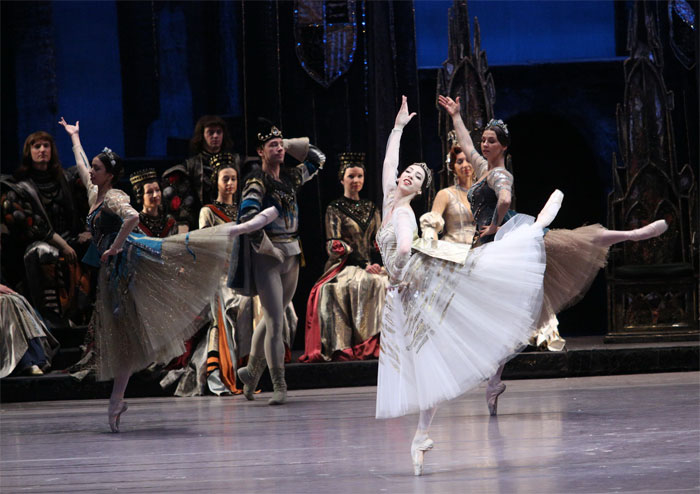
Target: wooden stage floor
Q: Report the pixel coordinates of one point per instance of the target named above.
(622, 434)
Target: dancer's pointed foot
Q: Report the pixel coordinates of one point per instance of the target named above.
(492, 394)
(652, 230)
(114, 413)
(550, 210)
(418, 448)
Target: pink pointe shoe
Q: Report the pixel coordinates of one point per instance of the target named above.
(492, 394)
(418, 449)
(114, 413)
(652, 230)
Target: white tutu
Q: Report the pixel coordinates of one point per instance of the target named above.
(447, 327)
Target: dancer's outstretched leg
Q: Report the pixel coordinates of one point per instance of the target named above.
(550, 210)
(421, 442)
(606, 238)
(494, 389)
(117, 405)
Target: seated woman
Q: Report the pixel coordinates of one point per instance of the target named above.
(26, 346)
(343, 315)
(214, 355)
(152, 220)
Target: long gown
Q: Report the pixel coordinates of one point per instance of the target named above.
(446, 327)
(154, 294)
(343, 315)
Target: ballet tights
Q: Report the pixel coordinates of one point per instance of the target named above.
(275, 283)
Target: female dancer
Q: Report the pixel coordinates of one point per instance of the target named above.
(438, 339)
(452, 214)
(137, 274)
(573, 256)
(338, 327)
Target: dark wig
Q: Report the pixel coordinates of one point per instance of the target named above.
(54, 167)
(197, 142)
(113, 164)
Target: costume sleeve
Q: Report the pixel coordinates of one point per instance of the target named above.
(255, 223)
(390, 171)
(206, 217)
(336, 247)
(306, 171)
(480, 164)
(83, 165)
(251, 198)
(500, 179)
(118, 202)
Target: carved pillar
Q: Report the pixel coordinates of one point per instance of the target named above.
(652, 285)
(464, 74)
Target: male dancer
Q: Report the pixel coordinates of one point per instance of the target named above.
(267, 261)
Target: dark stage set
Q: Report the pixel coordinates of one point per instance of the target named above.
(601, 99)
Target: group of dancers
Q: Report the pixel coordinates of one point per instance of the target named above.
(447, 322)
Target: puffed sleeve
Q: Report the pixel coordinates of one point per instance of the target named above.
(336, 247)
(500, 179)
(206, 217)
(118, 202)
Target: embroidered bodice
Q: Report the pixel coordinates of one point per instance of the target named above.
(459, 221)
(106, 219)
(355, 225)
(401, 227)
(483, 195)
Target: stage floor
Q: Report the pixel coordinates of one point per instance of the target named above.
(622, 434)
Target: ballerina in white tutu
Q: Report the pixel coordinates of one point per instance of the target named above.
(439, 340)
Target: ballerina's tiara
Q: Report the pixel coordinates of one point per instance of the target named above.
(428, 174)
(500, 124)
(274, 133)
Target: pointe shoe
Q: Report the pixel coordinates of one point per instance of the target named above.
(114, 413)
(279, 385)
(652, 230)
(418, 449)
(250, 375)
(550, 210)
(492, 394)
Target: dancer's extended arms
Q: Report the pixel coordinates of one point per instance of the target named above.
(81, 160)
(465, 140)
(391, 158)
(255, 223)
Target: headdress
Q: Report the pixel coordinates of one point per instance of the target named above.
(428, 180)
(141, 177)
(500, 124)
(223, 160)
(350, 160)
(266, 131)
(110, 156)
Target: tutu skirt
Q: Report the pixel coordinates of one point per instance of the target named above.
(154, 295)
(447, 326)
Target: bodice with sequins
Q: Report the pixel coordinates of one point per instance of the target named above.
(459, 222)
(483, 201)
(386, 239)
(104, 226)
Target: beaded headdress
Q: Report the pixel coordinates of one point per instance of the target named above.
(428, 180)
(500, 124)
(350, 160)
(140, 177)
(272, 134)
(223, 160)
(110, 156)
